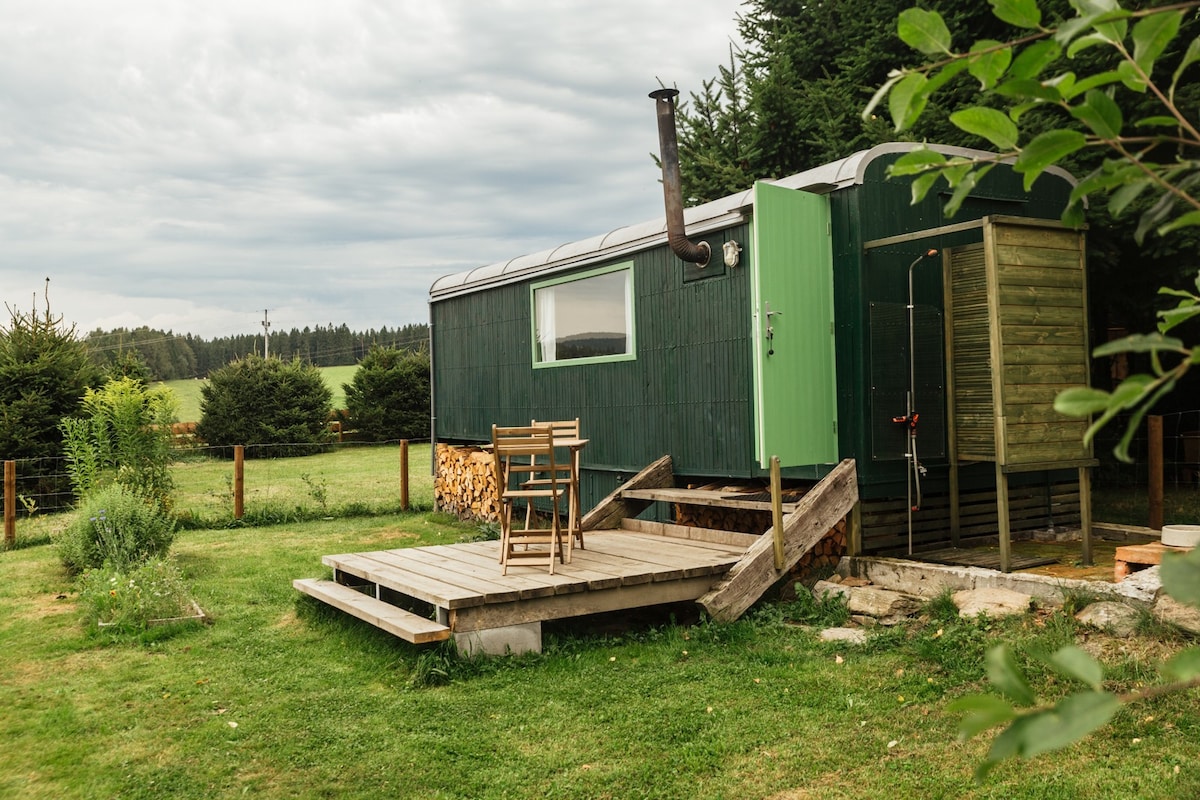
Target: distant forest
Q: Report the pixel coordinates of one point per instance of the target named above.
(168, 356)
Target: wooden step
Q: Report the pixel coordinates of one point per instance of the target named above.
(689, 532)
(702, 497)
(394, 620)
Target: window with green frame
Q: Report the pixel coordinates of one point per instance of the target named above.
(585, 317)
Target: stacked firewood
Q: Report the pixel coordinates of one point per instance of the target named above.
(465, 483)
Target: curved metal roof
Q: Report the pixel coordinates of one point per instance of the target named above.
(701, 219)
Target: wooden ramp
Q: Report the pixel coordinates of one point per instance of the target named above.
(424, 594)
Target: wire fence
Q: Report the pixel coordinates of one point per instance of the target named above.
(1181, 453)
(279, 482)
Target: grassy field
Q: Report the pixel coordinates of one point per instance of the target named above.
(188, 391)
(282, 697)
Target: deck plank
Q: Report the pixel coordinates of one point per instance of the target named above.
(437, 592)
(485, 563)
(492, 591)
(396, 621)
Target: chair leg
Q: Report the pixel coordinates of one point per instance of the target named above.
(505, 535)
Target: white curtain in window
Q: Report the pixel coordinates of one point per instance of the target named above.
(628, 314)
(546, 335)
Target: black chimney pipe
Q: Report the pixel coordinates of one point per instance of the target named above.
(692, 252)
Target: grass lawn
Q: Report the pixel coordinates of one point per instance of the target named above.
(281, 697)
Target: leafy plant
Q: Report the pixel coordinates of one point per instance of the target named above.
(117, 527)
(1151, 163)
(265, 403)
(119, 602)
(124, 437)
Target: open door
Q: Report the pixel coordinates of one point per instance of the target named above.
(792, 294)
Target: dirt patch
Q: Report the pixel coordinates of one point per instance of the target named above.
(394, 535)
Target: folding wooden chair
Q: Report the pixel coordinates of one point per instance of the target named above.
(566, 431)
(528, 452)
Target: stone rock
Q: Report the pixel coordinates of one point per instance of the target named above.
(851, 580)
(1142, 586)
(1116, 618)
(822, 588)
(875, 602)
(1168, 609)
(991, 602)
(850, 635)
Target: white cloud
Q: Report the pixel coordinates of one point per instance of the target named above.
(186, 165)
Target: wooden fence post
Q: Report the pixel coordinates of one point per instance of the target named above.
(239, 480)
(10, 504)
(1154, 435)
(404, 474)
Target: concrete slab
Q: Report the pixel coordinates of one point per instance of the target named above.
(509, 640)
(930, 580)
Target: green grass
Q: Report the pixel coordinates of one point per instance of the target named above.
(188, 391)
(283, 697)
(352, 479)
(1130, 505)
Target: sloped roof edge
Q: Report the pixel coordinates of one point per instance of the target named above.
(705, 218)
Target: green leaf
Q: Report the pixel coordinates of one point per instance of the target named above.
(1100, 113)
(989, 124)
(1074, 662)
(1081, 401)
(989, 66)
(1005, 675)
(922, 184)
(1028, 89)
(916, 161)
(893, 78)
(1184, 666)
(907, 100)
(943, 75)
(1084, 42)
(925, 31)
(984, 711)
(1045, 150)
(1151, 36)
(1138, 343)
(1068, 722)
(1190, 57)
(1022, 13)
(964, 189)
(1030, 62)
(1133, 81)
(1157, 122)
(1181, 576)
(1121, 198)
(1121, 451)
(1092, 82)
(1171, 317)
(1183, 221)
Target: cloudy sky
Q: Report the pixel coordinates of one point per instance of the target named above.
(186, 165)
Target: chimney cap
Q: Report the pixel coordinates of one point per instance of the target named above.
(664, 94)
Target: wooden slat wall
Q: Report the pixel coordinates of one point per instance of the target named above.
(1042, 323)
(885, 522)
(974, 423)
(1031, 329)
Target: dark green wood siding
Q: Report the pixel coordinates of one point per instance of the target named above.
(687, 393)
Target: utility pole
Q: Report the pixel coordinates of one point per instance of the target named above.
(266, 323)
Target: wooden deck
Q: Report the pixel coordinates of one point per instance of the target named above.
(458, 589)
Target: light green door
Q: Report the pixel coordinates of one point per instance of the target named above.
(795, 383)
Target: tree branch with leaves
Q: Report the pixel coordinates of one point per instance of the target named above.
(1152, 161)
(1046, 104)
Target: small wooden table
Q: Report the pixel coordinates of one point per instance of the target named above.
(1132, 557)
(574, 514)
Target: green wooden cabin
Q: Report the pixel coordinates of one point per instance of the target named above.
(796, 345)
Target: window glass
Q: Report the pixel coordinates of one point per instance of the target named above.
(584, 318)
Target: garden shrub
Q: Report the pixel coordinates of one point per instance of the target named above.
(388, 397)
(117, 527)
(44, 370)
(273, 407)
